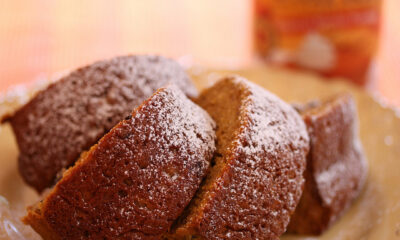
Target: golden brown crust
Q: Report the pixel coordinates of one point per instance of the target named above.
(75, 112)
(35, 219)
(336, 166)
(138, 179)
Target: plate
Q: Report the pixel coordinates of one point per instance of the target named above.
(374, 215)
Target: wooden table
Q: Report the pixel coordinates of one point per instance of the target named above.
(42, 37)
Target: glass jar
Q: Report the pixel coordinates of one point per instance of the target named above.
(336, 38)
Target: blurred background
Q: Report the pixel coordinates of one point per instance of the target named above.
(40, 38)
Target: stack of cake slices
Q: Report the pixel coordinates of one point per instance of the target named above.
(127, 149)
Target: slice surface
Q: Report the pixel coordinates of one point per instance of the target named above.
(257, 179)
(336, 165)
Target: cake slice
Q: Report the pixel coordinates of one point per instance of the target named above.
(336, 166)
(137, 180)
(256, 179)
(71, 115)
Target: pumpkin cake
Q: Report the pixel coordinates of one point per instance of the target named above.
(256, 179)
(72, 114)
(336, 166)
(137, 180)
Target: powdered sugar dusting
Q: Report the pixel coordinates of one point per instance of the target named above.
(272, 126)
(83, 106)
(260, 184)
(175, 129)
(140, 176)
(279, 123)
(336, 168)
(329, 176)
(338, 160)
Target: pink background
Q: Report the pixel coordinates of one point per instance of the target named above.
(42, 37)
